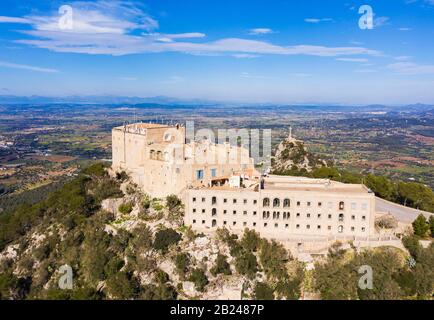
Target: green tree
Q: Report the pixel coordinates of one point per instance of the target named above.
(165, 238)
(246, 264)
(199, 279)
(263, 291)
(221, 266)
(420, 226)
(182, 262)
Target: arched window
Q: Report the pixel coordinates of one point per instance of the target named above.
(266, 202)
(276, 203)
(152, 154)
(214, 200)
(214, 212)
(341, 217)
(341, 229)
(341, 205)
(286, 203)
(214, 223)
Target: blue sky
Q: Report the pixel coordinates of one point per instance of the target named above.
(247, 51)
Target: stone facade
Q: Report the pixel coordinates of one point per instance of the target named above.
(221, 188)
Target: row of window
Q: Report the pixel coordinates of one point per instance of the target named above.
(286, 203)
(276, 225)
(276, 215)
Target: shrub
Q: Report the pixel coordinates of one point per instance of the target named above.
(182, 261)
(161, 277)
(199, 279)
(173, 202)
(122, 286)
(221, 266)
(165, 238)
(125, 208)
(263, 291)
(246, 264)
(97, 169)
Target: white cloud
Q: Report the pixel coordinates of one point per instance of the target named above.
(26, 67)
(245, 55)
(121, 28)
(405, 29)
(4, 19)
(317, 20)
(381, 21)
(410, 68)
(352, 59)
(260, 31)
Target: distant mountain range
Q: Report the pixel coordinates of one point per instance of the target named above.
(169, 101)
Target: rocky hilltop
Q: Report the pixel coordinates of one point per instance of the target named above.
(292, 154)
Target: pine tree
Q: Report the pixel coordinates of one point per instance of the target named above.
(420, 226)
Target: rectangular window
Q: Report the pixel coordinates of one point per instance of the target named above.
(353, 206)
(203, 221)
(245, 213)
(363, 218)
(203, 210)
(225, 211)
(353, 217)
(194, 221)
(194, 199)
(244, 224)
(276, 225)
(194, 210)
(225, 222)
(329, 216)
(286, 225)
(255, 201)
(235, 201)
(319, 215)
(245, 201)
(318, 227)
(203, 199)
(265, 224)
(199, 174)
(254, 224)
(352, 228)
(319, 204)
(297, 226)
(308, 226)
(298, 215)
(234, 212)
(363, 229)
(298, 203)
(213, 173)
(329, 227)
(225, 200)
(254, 213)
(308, 203)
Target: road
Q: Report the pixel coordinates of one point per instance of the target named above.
(403, 214)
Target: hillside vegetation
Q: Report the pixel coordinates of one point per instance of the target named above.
(122, 244)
